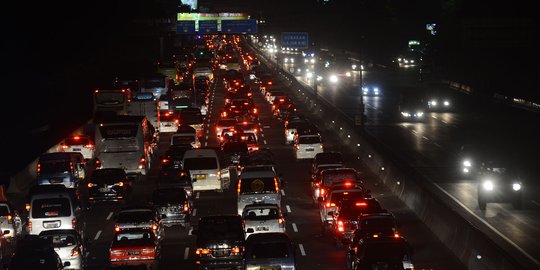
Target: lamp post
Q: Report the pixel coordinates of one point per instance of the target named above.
(359, 118)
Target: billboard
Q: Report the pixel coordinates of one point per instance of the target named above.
(191, 3)
(211, 16)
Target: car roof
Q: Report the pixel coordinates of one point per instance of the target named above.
(261, 205)
(268, 237)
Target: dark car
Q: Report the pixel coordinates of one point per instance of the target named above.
(33, 252)
(108, 185)
(499, 181)
(137, 245)
(345, 218)
(234, 150)
(174, 205)
(270, 251)
(326, 159)
(177, 179)
(379, 223)
(220, 242)
(412, 109)
(172, 159)
(380, 253)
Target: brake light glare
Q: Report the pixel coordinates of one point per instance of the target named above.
(203, 251)
(341, 227)
(73, 223)
(186, 208)
(75, 252)
(236, 250)
(361, 204)
(329, 204)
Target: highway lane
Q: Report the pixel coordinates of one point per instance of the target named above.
(432, 146)
(315, 251)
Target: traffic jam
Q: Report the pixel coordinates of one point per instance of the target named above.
(157, 146)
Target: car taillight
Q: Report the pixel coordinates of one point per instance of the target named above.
(322, 191)
(9, 218)
(73, 223)
(38, 168)
(329, 204)
(341, 227)
(276, 184)
(165, 161)
(254, 110)
(120, 184)
(186, 208)
(29, 226)
(75, 251)
(98, 163)
(116, 228)
(203, 251)
(154, 227)
(236, 250)
(64, 146)
(89, 146)
(142, 163)
(27, 207)
(147, 251)
(91, 185)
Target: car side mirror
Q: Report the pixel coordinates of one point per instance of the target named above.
(320, 199)
(250, 230)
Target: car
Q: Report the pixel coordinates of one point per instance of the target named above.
(10, 222)
(33, 252)
(233, 150)
(135, 246)
(263, 156)
(185, 138)
(172, 159)
(307, 146)
(258, 184)
(270, 251)
(333, 176)
(69, 245)
(280, 100)
(291, 127)
(325, 160)
(250, 139)
(439, 103)
(206, 171)
(176, 178)
(386, 252)
(246, 126)
(224, 123)
(220, 242)
(79, 143)
(345, 218)
(499, 181)
(412, 109)
(371, 90)
(337, 193)
(174, 205)
(110, 184)
(167, 121)
(377, 223)
(139, 217)
(263, 218)
(67, 168)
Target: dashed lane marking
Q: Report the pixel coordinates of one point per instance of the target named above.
(288, 208)
(97, 235)
(110, 215)
(302, 251)
(186, 253)
(295, 229)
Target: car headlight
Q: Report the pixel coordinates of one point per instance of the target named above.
(353, 66)
(252, 267)
(433, 103)
(348, 74)
(419, 114)
(405, 61)
(406, 114)
(365, 90)
(292, 60)
(516, 186)
(333, 78)
(446, 103)
(467, 163)
(488, 185)
(376, 90)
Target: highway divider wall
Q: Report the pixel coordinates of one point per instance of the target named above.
(474, 249)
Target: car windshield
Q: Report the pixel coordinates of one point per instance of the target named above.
(4, 210)
(135, 216)
(169, 195)
(50, 208)
(54, 166)
(260, 214)
(204, 163)
(61, 240)
(257, 185)
(269, 250)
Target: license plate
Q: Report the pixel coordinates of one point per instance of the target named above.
(310, 150)
(134, 252)
(262, 228)
(104, 189)
(200, 176)
(76, 149)
(51, 224)
(167, 125)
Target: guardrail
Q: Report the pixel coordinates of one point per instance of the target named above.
(474, 248)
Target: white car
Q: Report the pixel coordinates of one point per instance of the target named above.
(69, 246)
(307, 146)
(258, 184)
(263, 218)
(10, 221)
(79, 143)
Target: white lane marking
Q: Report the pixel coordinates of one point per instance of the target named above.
(302, 251)
(97, 235)
(282, 192)
(264, 142)
(262, 134)
(414, 131)
(186, 253)
(288, 208)
(110, 215)
(489, 226)
(190, 231)
(87, 254)
(533, 201)
(426, 138)
(205, 143)
(266, 126)
(295, 229)
(207, 137)
(197, 195)
(444, 121)
(436, 144)
(194, 213)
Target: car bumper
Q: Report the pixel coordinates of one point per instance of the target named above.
(75, 263)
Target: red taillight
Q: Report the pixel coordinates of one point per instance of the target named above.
(322, 191)
(38, 167)
(116, 228)
(396, 235)
(117, 253)
(75, 252)
(154, 227)
(361, 204)
(236, 250)
(239, 184)
(147, 251)
(203, 251)
(341, 227)
(120, 184)
(165, 161)
(64, 146)
(329, 204)
(73, 223)
(10, 218)
(90, 146)
(186, 208)
(29, 226)
(348, 184)
(276, 184)
(91, 185)
(270, 83)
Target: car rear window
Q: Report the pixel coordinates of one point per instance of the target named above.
(335, 177)
(309, 140)
(349, 195)
(118, 131)
(54, 165)
(218, 228)
(261, 214)
(108, 176)
(257, 185)
(269, 250)
(61, 240)
(184, 139)
(134, 238)
(50, 208)
(79, 141)
(204, 163)
(135, 216)
(226, 123)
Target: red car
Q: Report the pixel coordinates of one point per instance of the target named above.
(134, 246)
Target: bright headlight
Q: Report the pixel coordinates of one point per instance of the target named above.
(348, 74)
(488, 185)
(405, 61)
(353, 66)
(433, 103)
(446, 103)
(419, 114)
(333, 78)
(292, 60)
(312, 61)
(376, 90)
(286, 60)
(467, 163)
(516, 186)
(406, 114)
(305, 60)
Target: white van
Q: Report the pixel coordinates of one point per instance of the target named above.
(307, 146)
(125, 142)
(258, 185)
(53, 210)
(205, 170)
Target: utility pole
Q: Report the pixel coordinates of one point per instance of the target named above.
(359, 118)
